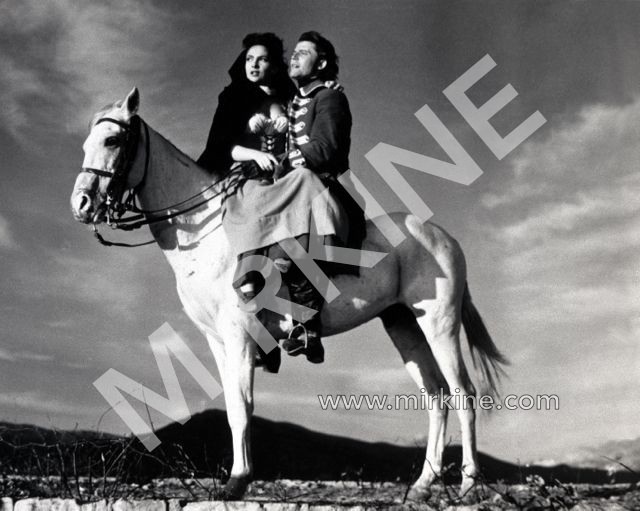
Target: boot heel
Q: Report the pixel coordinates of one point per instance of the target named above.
(315, 351)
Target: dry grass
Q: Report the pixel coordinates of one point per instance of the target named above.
(109, 468)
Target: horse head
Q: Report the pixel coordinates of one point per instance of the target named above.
(109, 151)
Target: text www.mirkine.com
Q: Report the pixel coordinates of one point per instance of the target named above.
(441, 400)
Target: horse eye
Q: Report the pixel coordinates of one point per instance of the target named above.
(112, 141)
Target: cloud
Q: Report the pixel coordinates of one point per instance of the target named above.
(116, 283)
(20, 77)
(572, 229)
(36, 401)
(17, 84)
(567, 224)
(272, 398)
(594, 155)
(24, 355)
(381, 380)
(62, 324)
(7, 241)
(567, 215)
(69, 56)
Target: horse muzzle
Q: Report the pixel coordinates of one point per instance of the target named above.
(84, 209)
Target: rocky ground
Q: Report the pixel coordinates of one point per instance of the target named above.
(298, 469)
(535, 494)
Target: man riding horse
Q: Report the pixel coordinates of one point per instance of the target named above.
(319, 140)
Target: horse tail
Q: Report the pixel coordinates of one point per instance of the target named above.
(486, 356)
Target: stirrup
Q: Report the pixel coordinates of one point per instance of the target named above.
(298, 349)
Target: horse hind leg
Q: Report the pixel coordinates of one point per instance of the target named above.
(400, 323)
(441, 326)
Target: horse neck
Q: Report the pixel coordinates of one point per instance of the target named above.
(171, 177)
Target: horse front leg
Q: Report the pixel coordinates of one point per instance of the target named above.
(237, 381)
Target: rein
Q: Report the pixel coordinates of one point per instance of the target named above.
(117, 207)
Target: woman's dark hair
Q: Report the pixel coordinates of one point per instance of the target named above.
(275, 49)
(326, 51)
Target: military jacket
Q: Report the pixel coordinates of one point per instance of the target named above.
(320, 129)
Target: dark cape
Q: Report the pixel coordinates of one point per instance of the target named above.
(237, 103)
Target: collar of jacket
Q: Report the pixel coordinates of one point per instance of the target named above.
(311, 87)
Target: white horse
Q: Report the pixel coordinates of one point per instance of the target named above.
(418, 290)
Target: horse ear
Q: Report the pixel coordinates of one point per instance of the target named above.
(131, 103)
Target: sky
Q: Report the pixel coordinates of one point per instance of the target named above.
(551, 232)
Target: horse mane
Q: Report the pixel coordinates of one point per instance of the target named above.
(180, 151)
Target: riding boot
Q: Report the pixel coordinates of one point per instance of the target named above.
(304, 337)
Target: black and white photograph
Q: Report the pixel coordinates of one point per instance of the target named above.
(297, 255)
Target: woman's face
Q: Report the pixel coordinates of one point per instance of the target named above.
(258, 65)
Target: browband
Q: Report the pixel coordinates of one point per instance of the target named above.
(122, 124)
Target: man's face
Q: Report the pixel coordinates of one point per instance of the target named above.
(305, 62)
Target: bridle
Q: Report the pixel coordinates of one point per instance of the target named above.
(116, 206)
(122, 199)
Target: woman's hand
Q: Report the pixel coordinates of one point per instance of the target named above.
(266, 161)
(281, 124)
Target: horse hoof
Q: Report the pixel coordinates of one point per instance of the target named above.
(419, 494)
(469, 492)
(235, 488)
